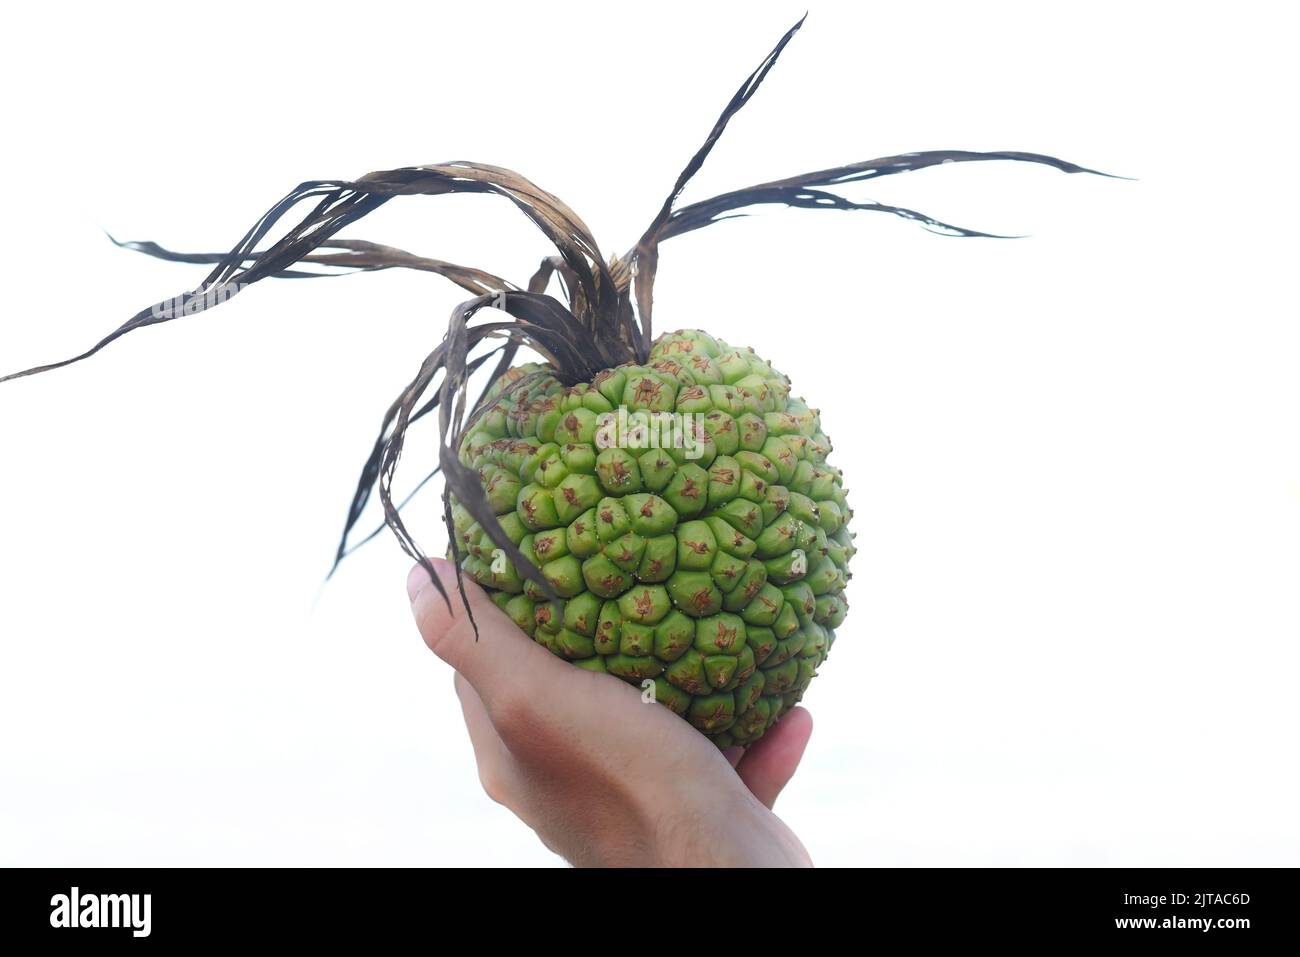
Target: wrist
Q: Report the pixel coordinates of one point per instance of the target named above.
(729, 833)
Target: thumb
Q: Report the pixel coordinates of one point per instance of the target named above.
(495, 660)
(769, 765)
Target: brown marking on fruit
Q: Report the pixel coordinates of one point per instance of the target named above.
(645, 604)
(647, 510)
(719, 711)
(611, 582)
(648, 391)
(699, 548)
(727, 573)
(700, 362)
(770, 604)
(571, 496)
(739, 540)
(753, 588)
(621, 474)
(653, 568)
(579, 527)
(702, 599)
(542, 546)
(543, 616)
(723, 476)
(690, 489)
(607, 516)
(786, 531)
(529, 508)
(691, 393)
(571, 422)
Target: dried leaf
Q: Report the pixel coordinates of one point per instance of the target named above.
(606, 322)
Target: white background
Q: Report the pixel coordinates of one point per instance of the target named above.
(1072, 457)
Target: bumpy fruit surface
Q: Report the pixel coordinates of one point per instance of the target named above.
(708, 566)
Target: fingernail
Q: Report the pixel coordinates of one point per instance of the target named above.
(416, 582)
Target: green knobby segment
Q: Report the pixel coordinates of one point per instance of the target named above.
(582, 613)
(626, 551)
(618, 471)
(751, 581)
(634, 668)
(659, 560)
(727, 571)
(604, 577)
(577, 426)
(637, 640)
(694, 593)
(696, 546)
(574, 495)
(645, 604)
(536, 508)
(710, 572)
(650, 514)
(580, 535)
(688, 490)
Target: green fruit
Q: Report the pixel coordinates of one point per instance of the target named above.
(713, 569)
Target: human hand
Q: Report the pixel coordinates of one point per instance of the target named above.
(603, 777)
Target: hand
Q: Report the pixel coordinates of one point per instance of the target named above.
(603, 777)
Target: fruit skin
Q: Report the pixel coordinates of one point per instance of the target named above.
(709, 570)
